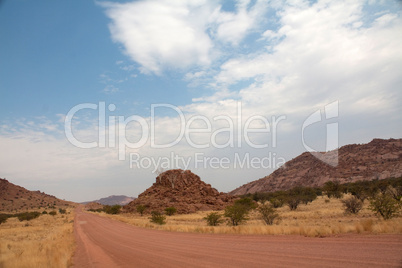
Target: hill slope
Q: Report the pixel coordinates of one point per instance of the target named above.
(378, 159)
(113, 200)
(15, 198)
(183, 190)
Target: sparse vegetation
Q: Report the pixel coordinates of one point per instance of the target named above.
(115, 209)
(62, 211)
(158, 218)
(385, 205)
(293, 202)
(170, 211)
(333, 189)
(45, 242)
(268, 213)
(236, 214)
(53, 213)
(214, 219)
(352, 205)
(27, 216)
(141, 209)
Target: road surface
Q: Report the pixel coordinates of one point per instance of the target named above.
(102, 242)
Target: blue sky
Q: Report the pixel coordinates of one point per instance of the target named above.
(207, 58)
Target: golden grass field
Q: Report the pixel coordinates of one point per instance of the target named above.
(319, 218)
(47, 241)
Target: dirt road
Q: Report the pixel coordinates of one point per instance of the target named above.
(102, 242)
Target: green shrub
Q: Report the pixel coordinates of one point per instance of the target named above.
(44, 212)
(141, 209)
(237, 214)
(268, 213)
(4, 217)
(213, 219)
(62, 211)
(246, 202)
(170, 211)
(53, 213)
(352, 205)
(158, 218)
(276, 202)
(115, 209)
(333, 189)
(293, 202)
(384, 205)
(27, 216)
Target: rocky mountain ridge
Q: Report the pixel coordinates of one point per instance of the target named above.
(14, 198)
(379, 159)
(183, 190)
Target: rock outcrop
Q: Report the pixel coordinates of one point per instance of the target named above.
(379, 159)
(183, 190)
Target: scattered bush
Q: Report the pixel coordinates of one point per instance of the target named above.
(333, 189)
(384, 205)
(53, 213)
(213, 219)
(170, 211)
(352, 205)
(3, 218)
(293, 202)
(62, 211)
(237, 214)
(141, 209)
(115, 209)
(276, 203)
(247, 203)
(158, 218)
(27, 216)
(44, 212)
(268, 213)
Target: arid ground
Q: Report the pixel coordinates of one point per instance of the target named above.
(103, 242)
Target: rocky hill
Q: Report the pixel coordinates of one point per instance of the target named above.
(183, 190)
(379, 159)
(14, 198)
(113, 200)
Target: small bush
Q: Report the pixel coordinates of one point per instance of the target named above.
(268, 213)
(53, 213)
(237, 214)
(276, 203)
(385, 205)
(44, 212)
(352, 205)
(62, 211)
(170, 211)
(157, 217)
(246, 202)
(213, 219)
(293, 202)
(141, 209)
(3, 218)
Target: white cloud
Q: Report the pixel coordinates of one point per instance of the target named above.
(160, 34)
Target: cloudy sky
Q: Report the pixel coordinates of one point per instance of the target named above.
(98, 97)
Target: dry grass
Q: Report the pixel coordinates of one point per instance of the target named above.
(47, 241)
(318, 218)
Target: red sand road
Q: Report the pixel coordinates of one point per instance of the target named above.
(102, 242)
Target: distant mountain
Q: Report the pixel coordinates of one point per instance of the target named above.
(14, 198)
(113, 200)
(379, 159)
